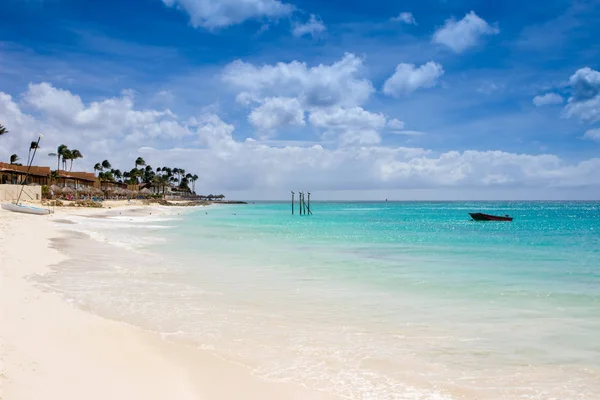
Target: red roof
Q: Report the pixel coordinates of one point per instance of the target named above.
(22, 169)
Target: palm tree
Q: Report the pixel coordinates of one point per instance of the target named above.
(32, 146)
(66, 156)
(3, 130)
(117, 173)
(14, 158)
(75, 154)
(194, 179)
(59, 153)
(98, 167)
(139, 161)
(106, 164)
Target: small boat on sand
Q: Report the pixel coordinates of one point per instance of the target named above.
(488, 217)
(20, 208)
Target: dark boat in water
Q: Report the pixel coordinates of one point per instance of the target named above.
(488, 217)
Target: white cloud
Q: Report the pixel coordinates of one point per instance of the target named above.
(463, 34)
(405, 17)
(64, 109)
(353, 118)
(350, 126)
(592, 134)
(276, 112)
(585, 84)
(214, 132)
(409, 78)
(338, 84)
(584, 102)
(213, 14)
(395, 124)
(547, 99)
(313, 27)
(114, 128)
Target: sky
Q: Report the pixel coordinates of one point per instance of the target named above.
(405, 100)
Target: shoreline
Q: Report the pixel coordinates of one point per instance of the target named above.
(50, 349)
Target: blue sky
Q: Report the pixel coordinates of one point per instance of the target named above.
(465, 75)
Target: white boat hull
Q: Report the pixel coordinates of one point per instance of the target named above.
(25, 209)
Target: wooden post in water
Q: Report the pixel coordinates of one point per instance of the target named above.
(300, 194)
(308, 206)
(293, 202)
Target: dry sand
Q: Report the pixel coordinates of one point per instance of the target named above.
(52, 350)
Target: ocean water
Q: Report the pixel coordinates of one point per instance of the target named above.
(408, 300)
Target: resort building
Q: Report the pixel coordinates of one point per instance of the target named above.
(14, 174)
(75, 180)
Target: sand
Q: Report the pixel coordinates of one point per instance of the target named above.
(51, 350)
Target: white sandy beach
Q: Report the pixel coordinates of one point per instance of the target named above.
(52, 350)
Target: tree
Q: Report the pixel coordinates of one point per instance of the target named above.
(3, 130)
(118, 175)
(59, 153)
(66, 156)
(32, 146)
(194, 179)
(106, 164)
(75, 154)
(139, 162)
(14, 158)
(98, 167)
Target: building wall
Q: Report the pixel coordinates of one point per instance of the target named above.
(31, 194)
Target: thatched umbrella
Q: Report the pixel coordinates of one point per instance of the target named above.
(68, 191)
(55, 189)
(85, 190)
(117, 192)
(97, 191)
(146, 192)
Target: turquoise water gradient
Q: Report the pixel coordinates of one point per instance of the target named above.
(549, 247)
(408, 300)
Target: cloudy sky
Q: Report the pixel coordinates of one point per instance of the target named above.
(429, 99)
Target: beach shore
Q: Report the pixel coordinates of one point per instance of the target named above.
(50, 349)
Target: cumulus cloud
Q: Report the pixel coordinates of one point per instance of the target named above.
(395, 124)
(338, 84)
(464, 34)
(350, 126)
(405, 17)
(116, 129)
(547, 99)
(409, 78)
(214, 132)
(276, 112)
(313, 27)
(213, 14)
(584, 102)
(585, 84)
(592, 134)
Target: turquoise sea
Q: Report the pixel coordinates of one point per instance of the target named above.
(380, 300)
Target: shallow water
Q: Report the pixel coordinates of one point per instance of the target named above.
(365, 300)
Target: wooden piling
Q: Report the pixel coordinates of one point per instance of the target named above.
(293, 203)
